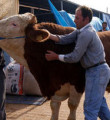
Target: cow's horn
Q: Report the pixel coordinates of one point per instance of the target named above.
(33, 20)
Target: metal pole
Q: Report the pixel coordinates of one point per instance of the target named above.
(61, 5)
(32, 10)
(106, 9)
(99, 15)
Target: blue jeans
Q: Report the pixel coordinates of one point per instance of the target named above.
(95, 104)
(2, 95)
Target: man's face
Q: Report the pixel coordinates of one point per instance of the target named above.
(104, 25)
(79, 20)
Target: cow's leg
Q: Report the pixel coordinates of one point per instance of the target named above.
(73, 102)
(59, 96)
(55, 106)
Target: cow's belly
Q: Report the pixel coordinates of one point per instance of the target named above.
(66, 91)
(62, 94)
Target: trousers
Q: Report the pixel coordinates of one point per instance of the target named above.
(95, 104)
(2, 95)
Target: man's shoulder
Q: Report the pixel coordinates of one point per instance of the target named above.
(88, 30)
(88, 33)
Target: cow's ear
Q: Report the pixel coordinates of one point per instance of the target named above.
(41, 35)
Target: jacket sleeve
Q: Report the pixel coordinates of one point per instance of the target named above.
(83, 42)
(68, 38)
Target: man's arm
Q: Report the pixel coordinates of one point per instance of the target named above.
(64, 39)
(75, 55)
(61, 39)
(54, 37)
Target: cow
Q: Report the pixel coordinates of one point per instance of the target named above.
(9, 8)
(57, 80)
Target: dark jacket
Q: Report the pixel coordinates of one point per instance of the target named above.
(2, 61)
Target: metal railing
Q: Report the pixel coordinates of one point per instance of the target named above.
(33, 8)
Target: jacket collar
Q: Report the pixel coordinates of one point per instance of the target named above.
(86, 26)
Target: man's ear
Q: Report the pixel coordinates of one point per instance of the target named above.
(86, 20)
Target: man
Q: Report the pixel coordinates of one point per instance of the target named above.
(2, 87)
(104, 27)
(90, 52)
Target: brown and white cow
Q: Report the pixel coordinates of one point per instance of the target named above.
(57, 81)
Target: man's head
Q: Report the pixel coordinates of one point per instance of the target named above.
(83, 16)
(104, 25)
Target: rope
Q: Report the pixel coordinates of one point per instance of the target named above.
(1, 38)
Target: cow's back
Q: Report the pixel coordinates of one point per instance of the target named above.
(105, 38)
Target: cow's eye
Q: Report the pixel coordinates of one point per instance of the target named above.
(14, 24)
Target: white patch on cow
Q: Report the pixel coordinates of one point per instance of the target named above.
(62, 94)
(74, 96)
(66, 91)
(14, 26)
(15, 48)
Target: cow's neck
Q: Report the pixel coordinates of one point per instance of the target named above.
(15, 48)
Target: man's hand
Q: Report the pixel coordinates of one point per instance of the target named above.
(52, 36)
(51, 56)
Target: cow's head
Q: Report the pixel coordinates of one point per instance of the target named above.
(15, 25)
(12, 27)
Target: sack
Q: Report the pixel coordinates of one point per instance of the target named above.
(14, 79)
(20, 81)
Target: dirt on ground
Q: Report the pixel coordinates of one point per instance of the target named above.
(43, 112)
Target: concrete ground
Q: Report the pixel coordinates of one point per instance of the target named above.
(43, 112)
